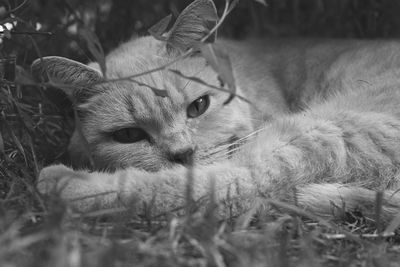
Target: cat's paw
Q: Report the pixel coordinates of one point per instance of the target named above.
(74, 187)
(51, 178)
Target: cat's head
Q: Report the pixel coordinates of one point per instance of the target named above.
(127, 124)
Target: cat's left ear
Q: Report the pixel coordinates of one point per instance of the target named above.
(74, 78)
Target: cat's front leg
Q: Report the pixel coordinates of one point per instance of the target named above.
(81, 189)
(165, 189)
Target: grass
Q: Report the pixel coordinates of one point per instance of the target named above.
(35, 124)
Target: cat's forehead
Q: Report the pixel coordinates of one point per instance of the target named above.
(134, 100)
(175, 80)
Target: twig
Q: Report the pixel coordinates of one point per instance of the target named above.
(17, 7)
(30, 33)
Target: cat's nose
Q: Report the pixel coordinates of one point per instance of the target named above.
(183, 156)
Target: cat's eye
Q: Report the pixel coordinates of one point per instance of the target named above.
(198, 107)
(130, 135)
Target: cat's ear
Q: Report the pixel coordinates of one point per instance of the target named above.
(193, 24)
(75, 79)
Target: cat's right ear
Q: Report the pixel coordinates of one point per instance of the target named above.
(74, 78)
(193, 24)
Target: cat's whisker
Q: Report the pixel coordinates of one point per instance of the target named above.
(230, 146)
(215, 152)
(252, 134)
(227, 154)
(220, 154)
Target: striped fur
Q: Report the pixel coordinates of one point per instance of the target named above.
(326, 122)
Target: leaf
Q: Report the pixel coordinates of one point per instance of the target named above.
(17, 143)
(25, 118)
(160, 28)
(3, 12)
(232, 5)
(156, 91)
(10, 20)
(95, 48)
(6, 32)
(7, 69)
(243, 221)
(220, 62)
(81, 136)
(262, 2)
(200, 81)
(2, 151)
(22, 76)
(192, 25)
(394, 224)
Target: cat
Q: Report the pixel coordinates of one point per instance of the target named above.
(320, 118)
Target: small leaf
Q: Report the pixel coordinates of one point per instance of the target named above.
(7, 69)
(220, 62)
(81, 136)
(69, 89)
(193, 24)
(22, 76)
(192, 78)
(6, 33)
(18, 144)
(25, 118)
(262, 2)
(2, 151)
(393, 225)
(200, 81)
(95, 48)
(160, 28)
(3, 12)
(232, 5)
(156, 91)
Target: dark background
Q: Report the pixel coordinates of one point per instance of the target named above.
(115, 21)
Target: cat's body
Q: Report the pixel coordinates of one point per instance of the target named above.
(327, 122)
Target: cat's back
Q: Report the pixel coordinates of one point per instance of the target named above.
(305, 69)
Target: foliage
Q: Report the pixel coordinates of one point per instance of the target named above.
(35, 123)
